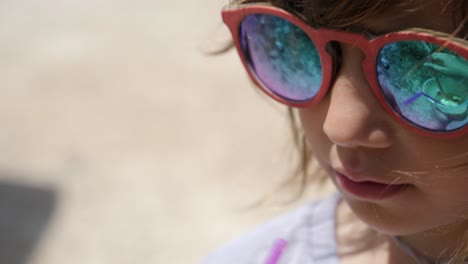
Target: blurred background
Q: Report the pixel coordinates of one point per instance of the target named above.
(122, 141)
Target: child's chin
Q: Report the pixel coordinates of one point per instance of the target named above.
(392, 230)
(380, 220)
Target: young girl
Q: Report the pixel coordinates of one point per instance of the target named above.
(381, 89)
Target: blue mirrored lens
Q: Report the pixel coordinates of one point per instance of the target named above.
(425, 83)
(282, 56)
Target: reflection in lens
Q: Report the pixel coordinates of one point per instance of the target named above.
(282, 56)
(425, 83)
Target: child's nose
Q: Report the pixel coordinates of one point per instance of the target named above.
(355, 117)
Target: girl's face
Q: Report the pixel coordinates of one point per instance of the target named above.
(395, 180)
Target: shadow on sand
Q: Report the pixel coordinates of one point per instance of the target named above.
(24, 214)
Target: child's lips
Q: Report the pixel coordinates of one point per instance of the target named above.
(365, 188)
(361, 178)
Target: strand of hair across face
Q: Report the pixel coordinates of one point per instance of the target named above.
(415, 255)
(410, 251)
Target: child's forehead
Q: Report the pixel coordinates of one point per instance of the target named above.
(429, 16)
(377, 17)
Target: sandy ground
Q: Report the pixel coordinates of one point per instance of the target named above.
(121, 141)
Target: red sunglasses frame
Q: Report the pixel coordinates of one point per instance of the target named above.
(233, 16)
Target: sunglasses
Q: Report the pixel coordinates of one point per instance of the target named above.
(420, 77)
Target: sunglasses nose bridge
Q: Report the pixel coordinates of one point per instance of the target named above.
(343, 37)
(334, 42)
